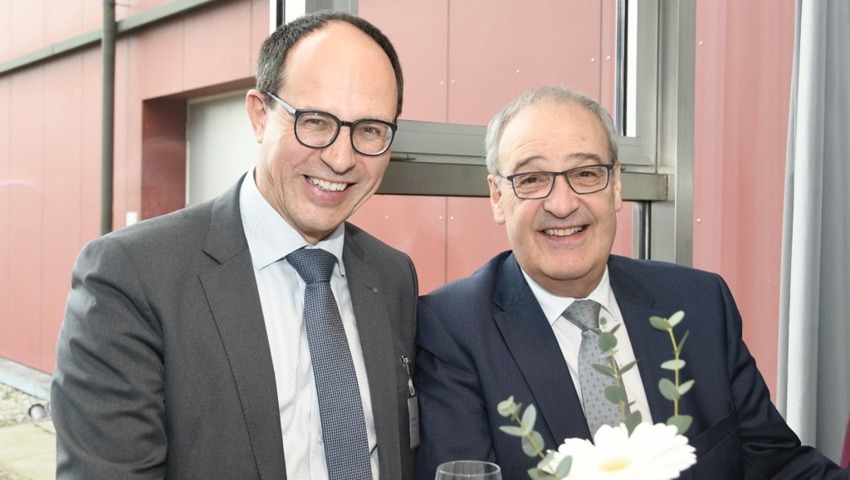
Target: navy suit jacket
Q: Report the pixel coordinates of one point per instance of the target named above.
(485, 338)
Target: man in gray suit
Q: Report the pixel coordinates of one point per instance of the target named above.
(183, 353)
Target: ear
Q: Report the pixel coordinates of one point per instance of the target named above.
(495, 199)
(618, 197)
(255, 104)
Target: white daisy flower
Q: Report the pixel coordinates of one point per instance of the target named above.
(652, 452)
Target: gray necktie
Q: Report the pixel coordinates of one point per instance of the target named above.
(340, 407)
(598, 410)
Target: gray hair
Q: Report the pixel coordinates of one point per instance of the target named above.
(554, 94)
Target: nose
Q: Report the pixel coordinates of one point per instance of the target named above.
(562, 200)
(340, 155)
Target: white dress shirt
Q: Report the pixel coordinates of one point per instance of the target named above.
(569, 337)
(270, 239)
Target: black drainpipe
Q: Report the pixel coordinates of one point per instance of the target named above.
(108, 117)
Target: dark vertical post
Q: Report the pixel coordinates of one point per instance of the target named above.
(108, 117)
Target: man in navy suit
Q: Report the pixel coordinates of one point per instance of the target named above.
(554, 180)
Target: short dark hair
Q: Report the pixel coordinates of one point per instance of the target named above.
(276, 48)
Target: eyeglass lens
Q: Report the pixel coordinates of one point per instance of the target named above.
(318, 129)
(582, 180)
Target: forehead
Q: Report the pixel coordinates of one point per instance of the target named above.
(552, 136)
(339, 65)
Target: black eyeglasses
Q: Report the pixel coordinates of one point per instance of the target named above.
(318, 129)
(583, 180)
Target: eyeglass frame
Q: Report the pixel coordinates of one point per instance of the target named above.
(297, 113)
(565, 173)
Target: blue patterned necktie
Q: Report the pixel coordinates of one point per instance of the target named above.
(598, 410)
(340, 406)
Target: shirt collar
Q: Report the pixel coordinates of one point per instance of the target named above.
(270, 237)
(553, 306)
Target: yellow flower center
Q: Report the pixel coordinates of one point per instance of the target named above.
(615, 464)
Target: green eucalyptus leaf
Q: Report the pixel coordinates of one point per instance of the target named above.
(564, 467)
(625, 368)
(532, 449)
(537, 474)
(506, 408)
(603, 321)
(547, 459)
(607, 341)
(682, 343)
(668, 389)
(512, 430)
(604, 369)
(616, 394)
(660, 323)
(683, 388)
(681, 422)
(543, 466)
(550, 455)
(528, 418)
(632, 421)
(673, 365)
(676, 318)
(616, 327)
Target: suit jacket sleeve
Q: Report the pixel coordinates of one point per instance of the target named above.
(107, 398)
(769, 448)
(450, 398)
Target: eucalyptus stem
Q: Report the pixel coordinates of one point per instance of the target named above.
(618, 380)
(676, 353)
(528, 435)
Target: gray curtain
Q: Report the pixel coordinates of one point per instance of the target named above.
(814, 336)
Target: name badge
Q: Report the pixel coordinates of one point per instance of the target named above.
(412, 407)
(413, 415)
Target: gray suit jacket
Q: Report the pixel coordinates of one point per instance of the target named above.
(163, 362)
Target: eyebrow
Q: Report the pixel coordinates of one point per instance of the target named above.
(578, 156)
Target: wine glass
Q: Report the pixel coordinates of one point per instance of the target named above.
(468, 470)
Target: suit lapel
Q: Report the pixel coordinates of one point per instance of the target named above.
(376, 341)
(234, 301)
(535, 350)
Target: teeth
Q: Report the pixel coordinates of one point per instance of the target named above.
(326, 185)
(562, 232)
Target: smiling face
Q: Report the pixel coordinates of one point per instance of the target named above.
(340, 70)
(562, 241)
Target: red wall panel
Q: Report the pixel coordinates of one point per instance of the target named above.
(216, 45)
(472, 236)
(465, 60)
(163, 157)
(60, 195)
(63, 20)
(500, 48)
(157, 66)
(90, 163)
(26, 206)
(415, 225)
(743, 77)
(26, 26)
(6, 30)
(419, 32)
(51, 160)
(7, 183)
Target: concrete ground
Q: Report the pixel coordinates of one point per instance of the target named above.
(28, 451)
(27, 446)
